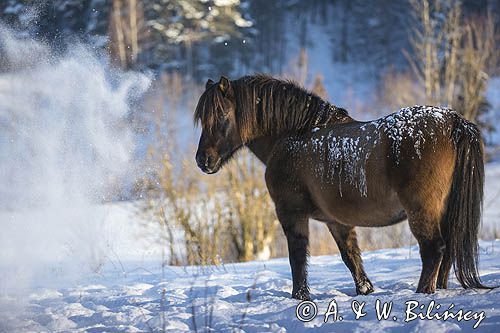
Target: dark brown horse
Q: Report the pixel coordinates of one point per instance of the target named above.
(422, 163)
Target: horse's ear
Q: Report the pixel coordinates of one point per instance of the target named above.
(209, 83)
(225, 85)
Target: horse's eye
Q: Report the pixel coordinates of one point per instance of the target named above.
(225, 127)
(224, 113)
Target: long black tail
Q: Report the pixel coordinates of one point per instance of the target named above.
(461, 220)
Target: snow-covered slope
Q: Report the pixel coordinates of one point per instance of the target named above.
(128, 292)
(252, 297)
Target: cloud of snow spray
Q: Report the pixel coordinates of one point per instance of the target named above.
(64, 142)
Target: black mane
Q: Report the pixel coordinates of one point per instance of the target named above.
(270, 106)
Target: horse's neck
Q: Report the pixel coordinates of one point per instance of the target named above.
(311, 112)
(262, 147)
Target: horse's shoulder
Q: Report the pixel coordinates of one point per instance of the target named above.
(284, 146)
(279, 163)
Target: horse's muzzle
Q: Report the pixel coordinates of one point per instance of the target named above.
(208, 163)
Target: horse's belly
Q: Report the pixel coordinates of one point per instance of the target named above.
(361, 198)
(363, 214)
(375, 209)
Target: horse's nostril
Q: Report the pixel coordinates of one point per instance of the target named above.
(201, 161)
(207, 161)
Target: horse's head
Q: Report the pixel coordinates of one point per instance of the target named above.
(216, 111)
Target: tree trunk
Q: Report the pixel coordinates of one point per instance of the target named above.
(119, 40)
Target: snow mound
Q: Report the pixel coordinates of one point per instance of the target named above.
(253, 297)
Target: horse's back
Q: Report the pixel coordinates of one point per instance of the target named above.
(366, 173)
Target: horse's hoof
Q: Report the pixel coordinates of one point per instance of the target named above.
(426, 290)
(302, 295)
(364, 288)
(442, 285)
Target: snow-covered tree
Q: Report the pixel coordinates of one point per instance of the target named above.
(127, 31)
(175, 26)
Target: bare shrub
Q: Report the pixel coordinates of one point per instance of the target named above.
(298, 67)
(207, 220)
(319, 88)
(479, 57)
(252, 221)
(452, 56)
(399, 89)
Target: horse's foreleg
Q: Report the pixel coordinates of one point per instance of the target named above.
(296, 228)
(347, 242)
(432, 246)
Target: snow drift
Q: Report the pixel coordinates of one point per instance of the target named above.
(64, 144)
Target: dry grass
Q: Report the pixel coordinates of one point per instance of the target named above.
(212, 219)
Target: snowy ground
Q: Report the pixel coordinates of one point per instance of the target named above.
(128, 292)
(250, 297)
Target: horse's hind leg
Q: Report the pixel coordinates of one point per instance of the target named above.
(446, 263)
(424, 185)
(444, 271)
(347, 242)
(427, 232)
